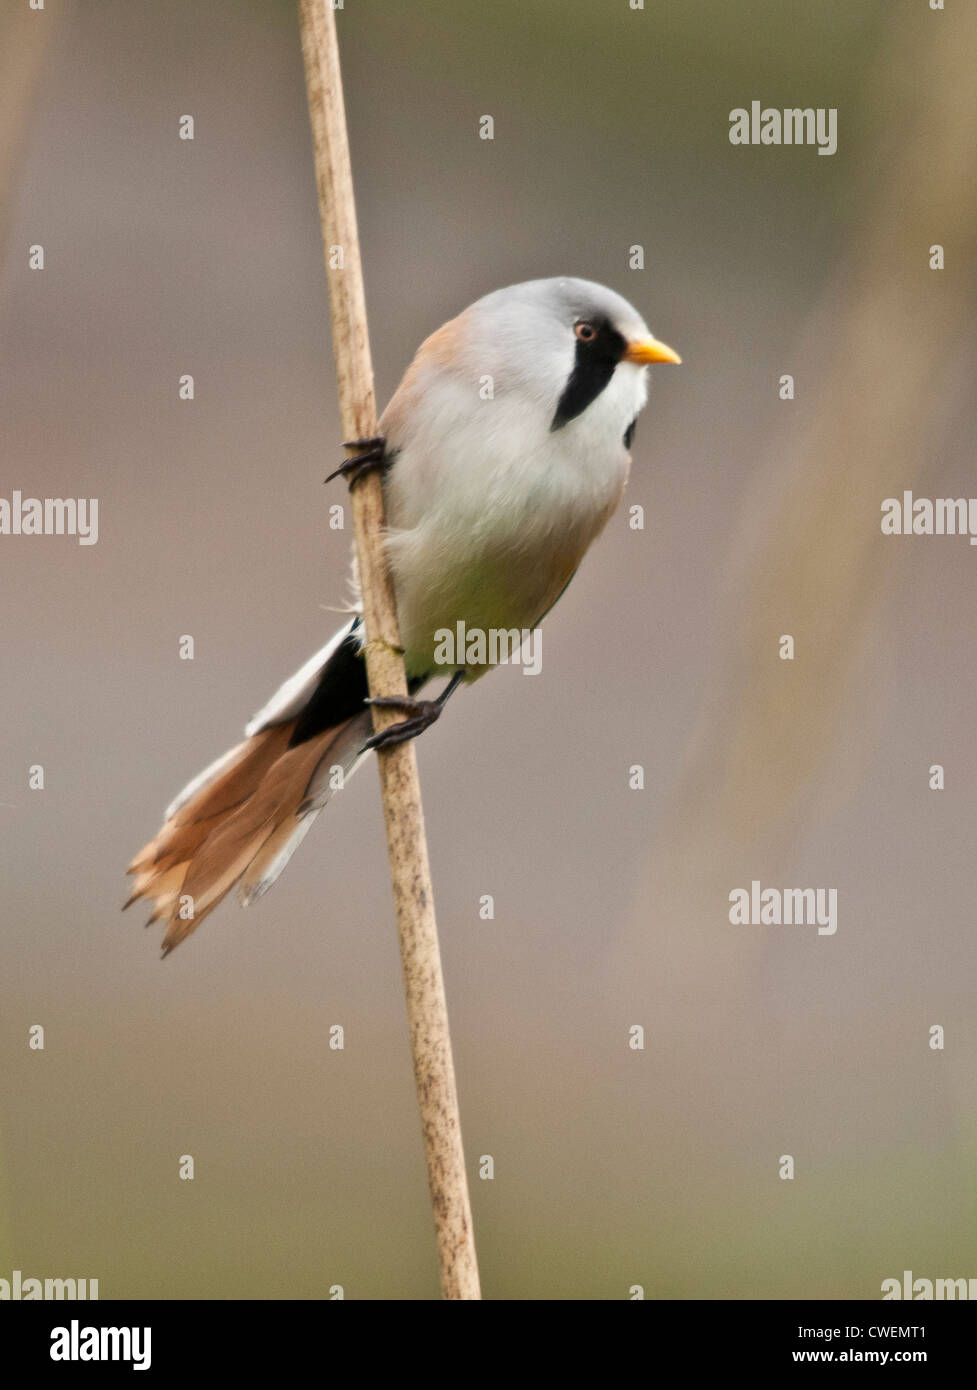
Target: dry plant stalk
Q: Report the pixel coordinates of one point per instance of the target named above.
(410, 872)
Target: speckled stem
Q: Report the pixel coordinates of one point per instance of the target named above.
(427, 1010)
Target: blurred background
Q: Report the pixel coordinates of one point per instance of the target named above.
(613, 1166)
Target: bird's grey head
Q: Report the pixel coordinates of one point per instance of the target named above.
(563, 340)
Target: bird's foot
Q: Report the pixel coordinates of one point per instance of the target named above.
(372, 454)
(422, 714)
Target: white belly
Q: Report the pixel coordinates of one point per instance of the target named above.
(489, 531)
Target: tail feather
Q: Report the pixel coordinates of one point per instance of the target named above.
(274, 854)
(201, 852)
(241, 819)
(344, 752)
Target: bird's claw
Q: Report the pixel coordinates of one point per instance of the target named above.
(372, 454)
(422, 714)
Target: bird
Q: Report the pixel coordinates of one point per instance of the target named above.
(504, 452)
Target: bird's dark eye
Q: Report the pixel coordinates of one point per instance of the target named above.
(586, 332)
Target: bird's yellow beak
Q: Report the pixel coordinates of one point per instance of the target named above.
(645, 350)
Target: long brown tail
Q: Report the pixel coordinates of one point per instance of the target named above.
(240, 825)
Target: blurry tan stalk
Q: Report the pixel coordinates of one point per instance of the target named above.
(24, 38)
(407, 847)
(888, 339)
(25, 35)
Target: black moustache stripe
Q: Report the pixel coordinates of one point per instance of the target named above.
(593, 367)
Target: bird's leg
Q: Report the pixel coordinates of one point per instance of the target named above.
(372, 454)
(422, 714)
